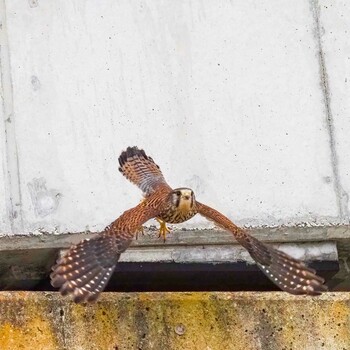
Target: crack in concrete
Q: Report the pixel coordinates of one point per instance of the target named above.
(12, 173)
(341, 195)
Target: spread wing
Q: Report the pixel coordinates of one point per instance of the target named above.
(141, 170)
(289, 274)
(86, 268)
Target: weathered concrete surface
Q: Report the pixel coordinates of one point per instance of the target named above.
(321, 240)
(185, 237)
(334, 55)
(232, 100)
(203, 321)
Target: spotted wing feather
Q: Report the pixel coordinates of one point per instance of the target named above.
(86, 268)
(141, 170)
(290, 274)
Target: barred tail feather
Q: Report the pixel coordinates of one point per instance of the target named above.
(289, 274)
(86, 268)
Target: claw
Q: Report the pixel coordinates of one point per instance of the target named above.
(163, 229)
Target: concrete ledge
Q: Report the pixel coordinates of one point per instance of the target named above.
(184, 237)
(210, 258)
(205, 321)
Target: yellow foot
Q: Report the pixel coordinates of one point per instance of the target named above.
(163, 230)
(141, 231)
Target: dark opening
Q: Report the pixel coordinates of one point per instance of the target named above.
(30, 269)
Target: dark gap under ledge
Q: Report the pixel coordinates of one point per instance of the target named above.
(200, 260)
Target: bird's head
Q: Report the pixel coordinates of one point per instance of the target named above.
(182, 198)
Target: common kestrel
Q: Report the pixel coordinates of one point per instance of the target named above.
(87, 267)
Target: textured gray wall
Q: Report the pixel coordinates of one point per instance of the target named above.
(246, 102)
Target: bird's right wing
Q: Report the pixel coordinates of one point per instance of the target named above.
(141, 170)
(86, 268)
(289, 274)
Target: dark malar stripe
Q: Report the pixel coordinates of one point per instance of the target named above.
(178, 201)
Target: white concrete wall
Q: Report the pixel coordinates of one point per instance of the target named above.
(247, 102)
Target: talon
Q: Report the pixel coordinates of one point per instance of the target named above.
(163, 229)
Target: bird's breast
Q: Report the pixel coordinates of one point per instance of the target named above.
(177, 215)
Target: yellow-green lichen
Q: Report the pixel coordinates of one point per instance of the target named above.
(36, 333)
(172, 321)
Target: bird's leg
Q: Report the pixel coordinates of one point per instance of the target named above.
(163, 229)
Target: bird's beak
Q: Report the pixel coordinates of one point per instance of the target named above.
(186, 197)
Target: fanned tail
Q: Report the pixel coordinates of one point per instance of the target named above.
(141, 170)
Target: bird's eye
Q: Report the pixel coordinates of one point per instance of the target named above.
(178, 193)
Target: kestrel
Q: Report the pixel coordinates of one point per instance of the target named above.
(87, 267)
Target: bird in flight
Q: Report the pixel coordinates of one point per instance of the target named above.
(86, 268)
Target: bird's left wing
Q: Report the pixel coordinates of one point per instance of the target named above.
(289, 274)
(86, 268)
